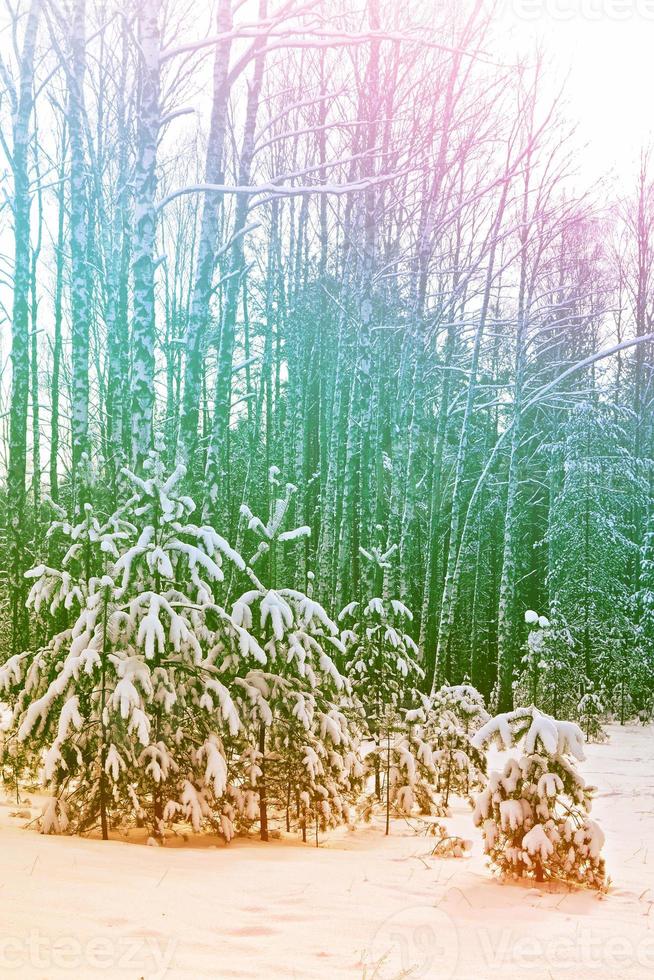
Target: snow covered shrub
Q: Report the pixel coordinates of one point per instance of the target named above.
(129, 707)
(297, 710)
(14, 761)
(534, 814)
(382, 662)
(551, 672)
(438, 733)
(402, 757)
(589, 712)
(532, 660)
(454, 715)
(626, 674)
(646, 712)
(466, 702)
(381, 657)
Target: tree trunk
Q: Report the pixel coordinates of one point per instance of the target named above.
(79, 281)
(216, 504)
(17, 466)
(199, 315)
(145, 221)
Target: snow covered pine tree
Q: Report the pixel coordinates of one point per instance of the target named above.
(452, 716)
(303, 748)
(382, 662)
(130, 702)
(551, 669)
(534, 815)
(589, 712)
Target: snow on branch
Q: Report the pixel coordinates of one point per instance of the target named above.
(533, 729)
(278, 190)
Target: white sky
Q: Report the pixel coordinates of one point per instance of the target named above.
(606, 47)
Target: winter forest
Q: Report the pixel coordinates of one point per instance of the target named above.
(326, 429)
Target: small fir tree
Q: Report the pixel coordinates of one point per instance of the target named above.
(455, 714)
(381, 658)
(589, 713)
(128, 705)
(534, 815)
(551, 671)
(298, 710)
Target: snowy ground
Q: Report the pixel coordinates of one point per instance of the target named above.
(360, 906)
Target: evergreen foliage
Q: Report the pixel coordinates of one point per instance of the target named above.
(534, 815)
(130, 703)
(303, 743)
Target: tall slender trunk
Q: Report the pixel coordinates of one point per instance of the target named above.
(357, 503)
(216, 482)
(410, 388)
(450, 589)
(20, 331)
(142, 375)
(57, 344)
(199, 314)
(34, 369)
(506, 611)
(114, 235)
(78, 229)
(431, 590)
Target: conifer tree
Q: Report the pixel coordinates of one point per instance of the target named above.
(455, 714)
(298, 710)
(381, 656)
(535, 814)
(130, 704)
(552, 673)
(589, 712)
(382, 660)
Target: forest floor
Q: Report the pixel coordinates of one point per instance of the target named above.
(360, 906)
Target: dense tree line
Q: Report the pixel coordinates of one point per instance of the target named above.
(346, 242)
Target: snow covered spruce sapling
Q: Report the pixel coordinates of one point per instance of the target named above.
(127, 704)
(534, 814)
(14, 761)
(533, 659)
(589, 712)
(441, 731)
(452, 716)
(381, 661)
(550, 668)
(304, 761)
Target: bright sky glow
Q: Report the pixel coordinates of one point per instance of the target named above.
(606, 47)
